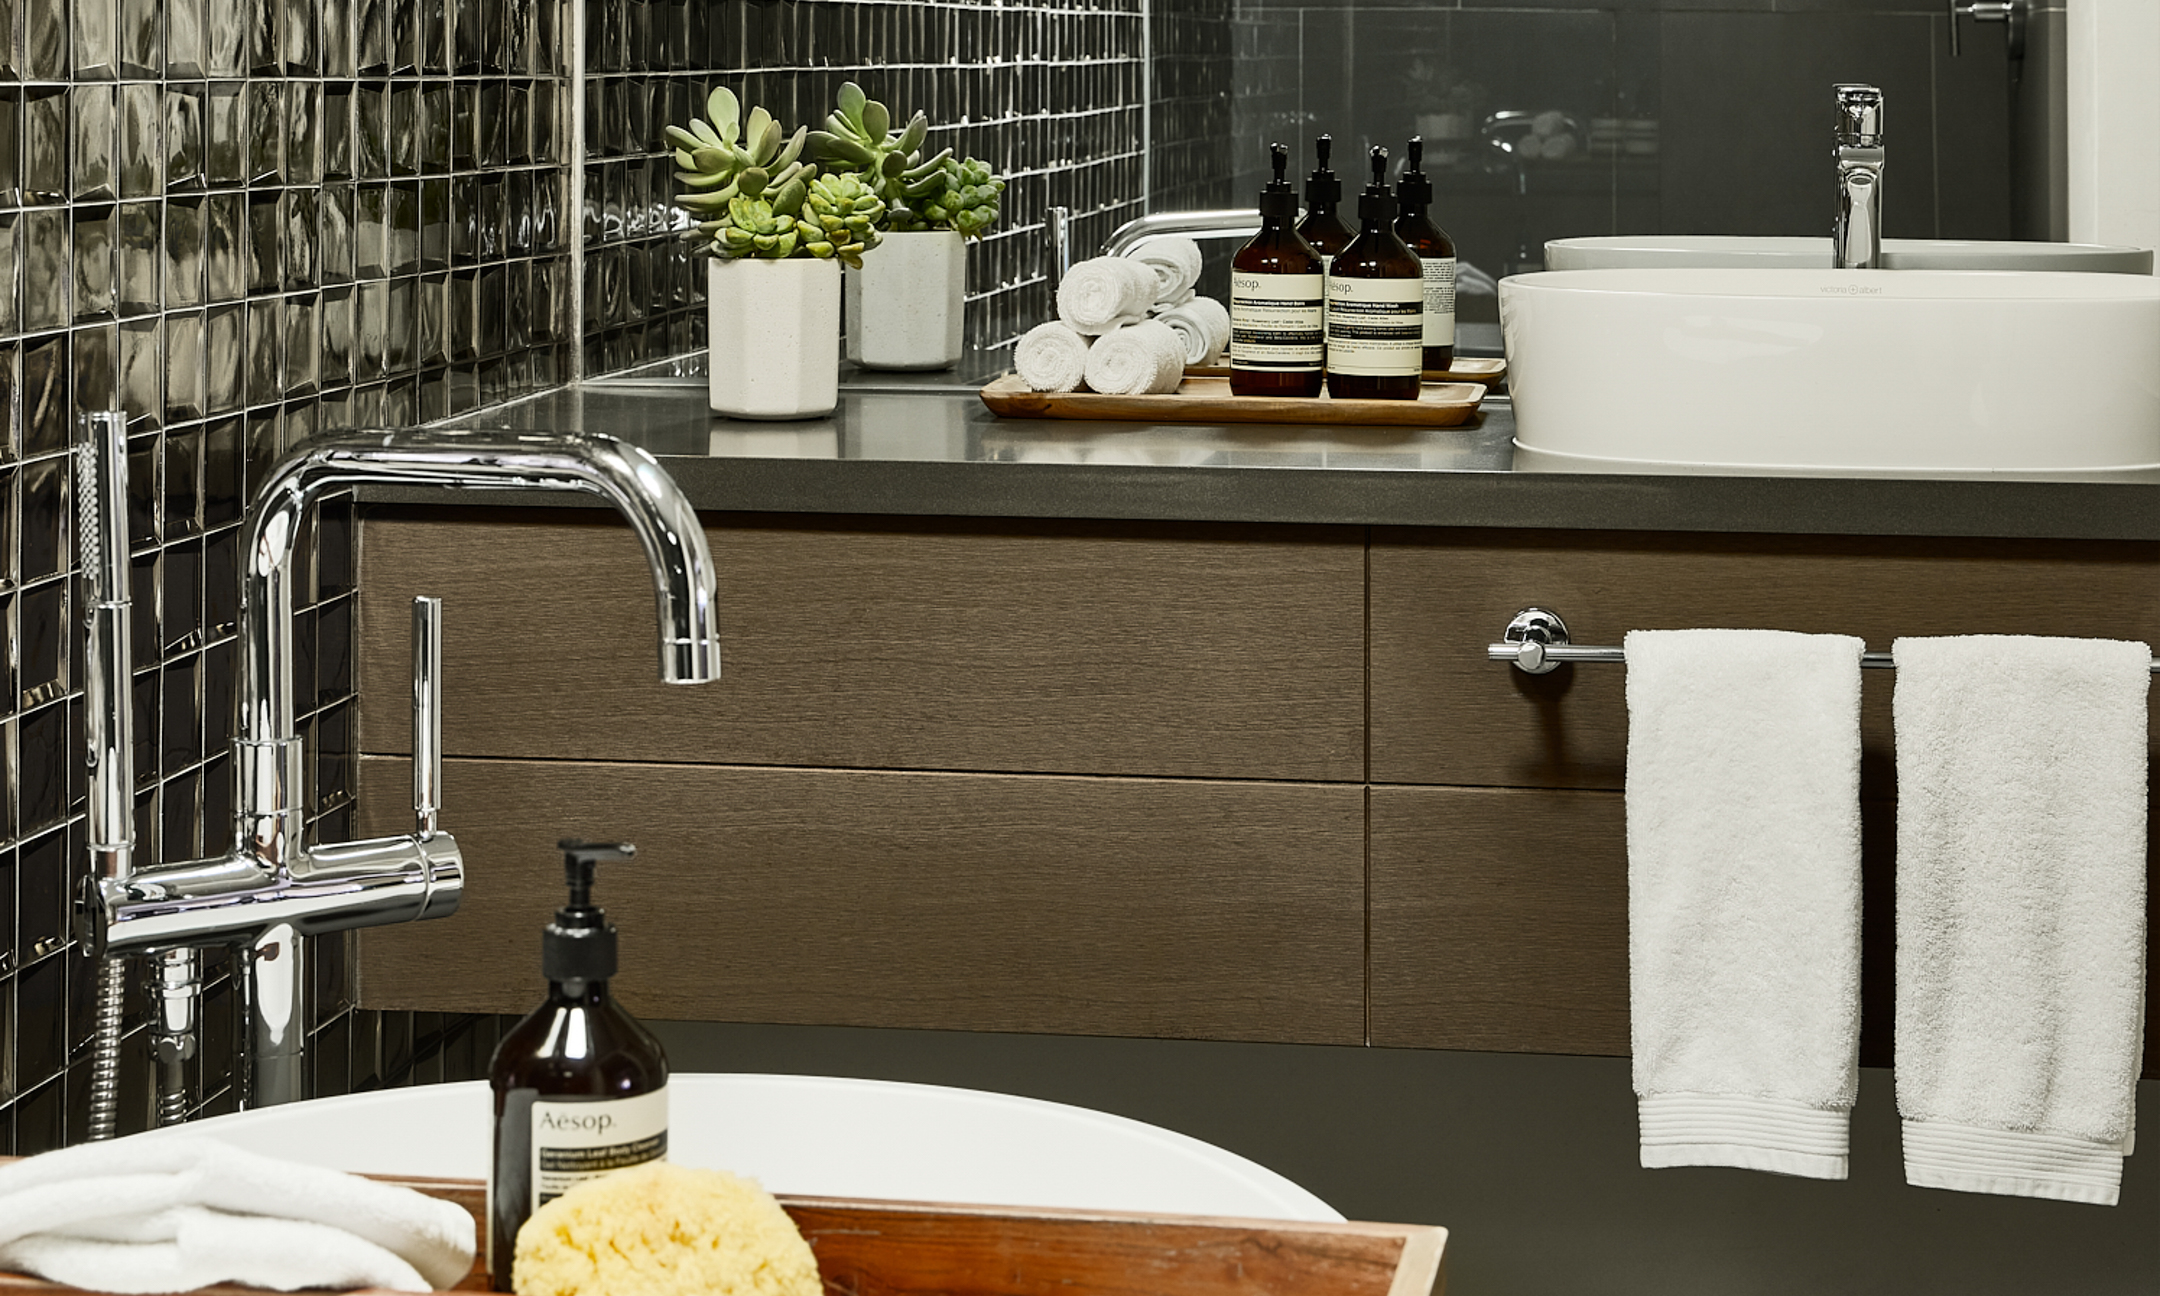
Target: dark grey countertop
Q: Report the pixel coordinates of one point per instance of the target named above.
(927, 446)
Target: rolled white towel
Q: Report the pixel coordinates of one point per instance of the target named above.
(1103, 293)
(1176, 264)
(1051, 358)
(1137, 360)
(1202, 326)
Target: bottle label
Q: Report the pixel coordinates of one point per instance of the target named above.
(1440, 302)
(1376, 327)
(1276, 322)
(576, 1141)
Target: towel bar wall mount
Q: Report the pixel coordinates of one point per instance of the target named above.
(1536, 642)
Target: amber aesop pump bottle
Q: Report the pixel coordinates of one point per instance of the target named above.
(1277, 300)
(1322, 229)
(580, 1086)
(1376, 305)
(1435, 252)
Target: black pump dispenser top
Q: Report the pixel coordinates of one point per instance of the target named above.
(1415, 188)
(580, 944)
(1278, 201)
(1322, 189)
(1376, 206)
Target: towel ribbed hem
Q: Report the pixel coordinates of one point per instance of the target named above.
(1779, 1135)
(1968, 1158)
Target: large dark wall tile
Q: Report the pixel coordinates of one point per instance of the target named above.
(1747, 119)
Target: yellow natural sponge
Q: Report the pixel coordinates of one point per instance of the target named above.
(664, 1230)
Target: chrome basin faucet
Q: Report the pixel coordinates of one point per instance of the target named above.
(270, 889)
(1856, 240)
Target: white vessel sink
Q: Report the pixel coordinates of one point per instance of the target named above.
(1710, 251)
(1885, 372)
(819, 1137)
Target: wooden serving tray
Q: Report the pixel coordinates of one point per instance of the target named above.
(940, 1249)
(1470, 369)
(1208, 400)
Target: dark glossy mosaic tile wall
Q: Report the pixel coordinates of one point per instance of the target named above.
(1050, 92)
(241, 223)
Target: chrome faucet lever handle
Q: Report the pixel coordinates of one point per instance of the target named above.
(427, 706)
(1859, 116)
(1856, 234)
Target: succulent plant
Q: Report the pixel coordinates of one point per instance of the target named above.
(745, 181)
(840, 217)
(939, 192)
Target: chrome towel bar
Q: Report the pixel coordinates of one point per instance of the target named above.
(1536, 641)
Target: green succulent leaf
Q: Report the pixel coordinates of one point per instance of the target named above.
(852, 101)
(794, 147)
(754, 128)
(876, 121)
(928, 165)
(685, 139)
(724, 111)
(707, 137)
(918, 129)
(753, 181)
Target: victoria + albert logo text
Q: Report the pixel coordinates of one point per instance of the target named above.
(1851, 290)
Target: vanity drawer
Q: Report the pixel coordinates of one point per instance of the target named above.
(1105, 648)
(1139, 907)
(1443, 714)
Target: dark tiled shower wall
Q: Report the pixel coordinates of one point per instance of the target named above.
(244, 223)
(1697, 116)
(1049, 92)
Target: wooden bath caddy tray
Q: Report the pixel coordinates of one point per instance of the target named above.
(935, 1249)
(1208, 400)
(1469, 369)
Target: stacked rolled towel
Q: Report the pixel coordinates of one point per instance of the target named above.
(158, 1214)
(1203, 325)
(2021, 824)
(1105, 293)
(1175, 263)
(1743, 841)
(1051, 357)
(1136, 360)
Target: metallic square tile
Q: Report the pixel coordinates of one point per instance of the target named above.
(404, 37)
(303, 345)
(183, 252)
(404, 128)
(337, 338)
(371, 231)
(300, 21)
(144, 458)
(222, 340)
(11, 117)
(259, 21)
(142, 372)
(46, 269)
(402, 224)
(141, 146)
(265, 351)
(265, 242)
(140, 239)
(488, 148)
(372, 18)
(185, 146)
(433, 311)
(371, 132)
(225, 260)
(44, 144)
(11, 69)
(338, 161)
(94, 26)
(401, 325)
(225, 39)
(95, 358)
(96, 231)
(10, 451)
(185, 38)
(300, 215)
(225, 142)
(181, 592)
(303, 133)
(184, 367)
(43, 552)
(45, 40)
(371, 331)
(336, 258)
(142, 50)
(434, 127)
(338, 52)
(10, 290)
(94, 137)
(265, 132)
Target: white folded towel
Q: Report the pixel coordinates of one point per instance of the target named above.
(1103, 293)
(2020, 911)
(1136, 360)
(1051, 358)
(1743, 837)
(168, 1214)
(1202, 325)
(1176, 266)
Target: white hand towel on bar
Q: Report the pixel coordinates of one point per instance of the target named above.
(1175, 263)
(1743, 836)
(2020, 911)
(168, 1214)
(1137, 360)
(1051, 357)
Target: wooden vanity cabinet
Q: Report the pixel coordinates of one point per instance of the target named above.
(1187, 780)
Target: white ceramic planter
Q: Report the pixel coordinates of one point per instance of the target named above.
(904, 306)
(774, 328)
